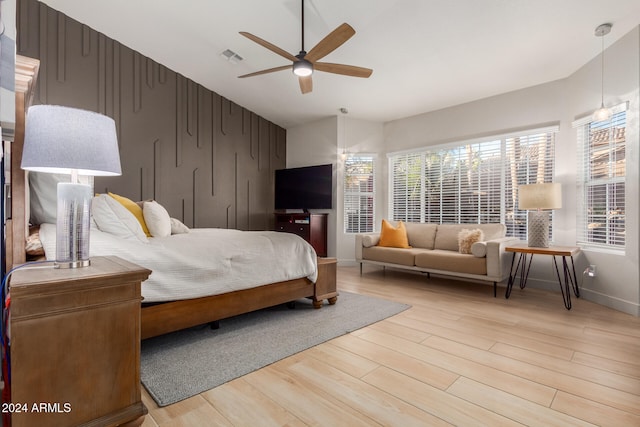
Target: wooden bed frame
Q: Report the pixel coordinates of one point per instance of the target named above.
(157, 319)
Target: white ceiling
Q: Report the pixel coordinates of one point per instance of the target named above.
(425, 54)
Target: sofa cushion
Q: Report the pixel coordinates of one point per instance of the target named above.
(391, 255)
(421, 235)
(479, 249)
(393, 237)
(370, 240)
(492, 231)
(447, 234)
(451, 261)
(467, 237)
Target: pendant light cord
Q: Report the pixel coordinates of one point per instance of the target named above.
(602, 74)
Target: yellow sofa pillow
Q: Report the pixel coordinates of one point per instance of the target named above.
(135, 209)
(393, 237)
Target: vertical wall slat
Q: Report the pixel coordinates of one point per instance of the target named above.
(209, 161)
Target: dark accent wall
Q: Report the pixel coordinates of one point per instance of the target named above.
(209, 161)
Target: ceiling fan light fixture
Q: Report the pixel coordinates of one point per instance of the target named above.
(302, 68)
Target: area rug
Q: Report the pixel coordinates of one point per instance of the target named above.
(182, 364)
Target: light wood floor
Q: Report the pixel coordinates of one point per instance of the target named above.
(457, 357)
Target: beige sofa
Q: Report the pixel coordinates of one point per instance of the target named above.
(434, 249)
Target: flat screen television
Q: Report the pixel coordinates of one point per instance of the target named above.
(308, 187)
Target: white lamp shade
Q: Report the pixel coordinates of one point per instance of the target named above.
(540, 196)
(63, 139)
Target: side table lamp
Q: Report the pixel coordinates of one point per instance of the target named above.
(76, 142)
(537, 198)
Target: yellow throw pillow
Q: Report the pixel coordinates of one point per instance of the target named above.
(135, 209)
(393, 237)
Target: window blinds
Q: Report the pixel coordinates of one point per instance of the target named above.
(359, 194)
(601, 180)
(473, 182)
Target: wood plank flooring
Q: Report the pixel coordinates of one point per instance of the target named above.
(457, 357)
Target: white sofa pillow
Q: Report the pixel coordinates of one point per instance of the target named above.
(370, 240)
(467, 237)
(479, 249)
(157, 219)
(113, 218)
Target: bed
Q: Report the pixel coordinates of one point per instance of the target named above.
(177, 294)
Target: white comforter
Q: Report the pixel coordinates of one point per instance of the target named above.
(206, 261)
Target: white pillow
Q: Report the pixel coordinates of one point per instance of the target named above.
(467, 237)
(43, 195)
(113, 218)
(178, 227)
(370, 240)
(157, 219)
(479, 249)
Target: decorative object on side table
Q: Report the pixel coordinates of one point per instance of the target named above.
(76, 142)
(537, 198)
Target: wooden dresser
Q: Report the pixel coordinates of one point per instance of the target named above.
(311, 227)
(75, 345)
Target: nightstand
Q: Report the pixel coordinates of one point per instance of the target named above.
(75, 345)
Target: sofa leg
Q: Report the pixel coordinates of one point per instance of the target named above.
(495, 289)
(361, 269)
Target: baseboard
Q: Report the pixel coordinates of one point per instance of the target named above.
(611, 302)
(348, 263)
(618, 304)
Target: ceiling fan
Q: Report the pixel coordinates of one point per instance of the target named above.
(304, 64)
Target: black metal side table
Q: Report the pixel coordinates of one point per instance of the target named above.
(524, 264)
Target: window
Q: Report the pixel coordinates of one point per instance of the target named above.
(473, 182)
(359, 193)
(601, 180)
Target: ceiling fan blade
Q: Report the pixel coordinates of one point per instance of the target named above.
(331, 42)
(269, 70)
(273, 48)
(347, 70)
(306, 84)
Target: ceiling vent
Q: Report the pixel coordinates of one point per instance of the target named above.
(231, 56)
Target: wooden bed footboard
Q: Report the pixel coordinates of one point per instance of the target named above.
(162, 318)
(171, 316)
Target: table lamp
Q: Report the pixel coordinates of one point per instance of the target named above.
(536, 198)
(76, 142)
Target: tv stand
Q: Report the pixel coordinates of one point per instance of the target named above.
(311, 227)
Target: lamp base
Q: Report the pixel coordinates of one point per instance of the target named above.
(538, 229)
(72, 264)
(73, 223)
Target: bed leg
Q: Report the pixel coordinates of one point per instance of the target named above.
(291, 305)
(215, 324)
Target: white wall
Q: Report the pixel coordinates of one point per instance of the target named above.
(316, 144)
(324, 141)
(561, 102)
